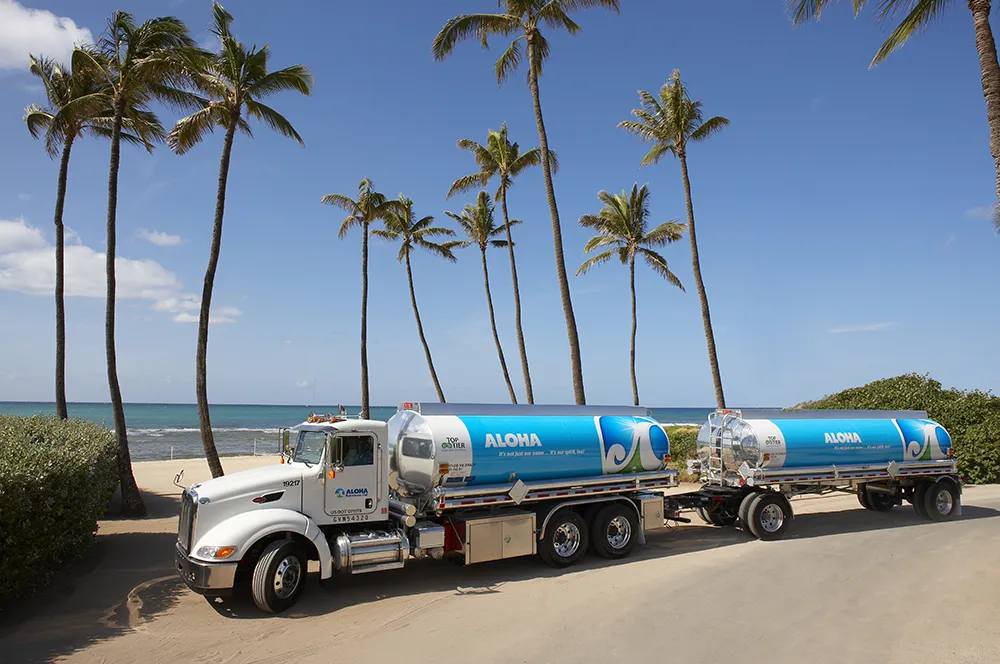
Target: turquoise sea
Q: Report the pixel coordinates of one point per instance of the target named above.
(162, 431)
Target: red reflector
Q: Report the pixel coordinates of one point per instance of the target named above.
(951, 451)
(260, 499)
(666, 458)
(407, 405)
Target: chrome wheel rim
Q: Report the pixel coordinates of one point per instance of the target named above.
(566, 540)
(287, 577)
(943, 502)
(619, 532)
(771, 518)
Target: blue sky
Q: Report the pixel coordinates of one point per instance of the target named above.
(842, 217)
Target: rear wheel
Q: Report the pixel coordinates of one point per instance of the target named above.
(566, 539)
(941, 501)
(768, 516)
(863, 496)
(716, 517)
(876, 500)
(744, 511)
(614, 531)
(278, 576)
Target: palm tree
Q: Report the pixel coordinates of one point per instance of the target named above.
(234, 81)
(69, 114)
(503, 159)
(525, 18)
(400, 225)
(135, 64)
(370, 206)
(670, 124)
(621, 227)
(920, 14)
(477, 222)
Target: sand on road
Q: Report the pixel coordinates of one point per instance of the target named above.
(844, 585)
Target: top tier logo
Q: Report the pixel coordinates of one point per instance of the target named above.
(513, 440)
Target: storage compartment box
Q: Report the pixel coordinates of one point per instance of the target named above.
(506, 534)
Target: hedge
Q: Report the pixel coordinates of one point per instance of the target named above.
(972, 417)
(56, 480)
(683, 441)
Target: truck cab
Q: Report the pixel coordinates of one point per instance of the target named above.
(332, 478)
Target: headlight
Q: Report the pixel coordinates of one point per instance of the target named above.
(216, 551)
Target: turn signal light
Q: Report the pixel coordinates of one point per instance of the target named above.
(666, 458)
(225, 552)
(331, 474)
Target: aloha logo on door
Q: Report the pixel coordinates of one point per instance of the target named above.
(350, 493)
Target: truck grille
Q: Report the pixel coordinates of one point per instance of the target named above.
(185, 525)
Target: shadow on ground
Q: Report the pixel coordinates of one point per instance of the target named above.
(424, 576)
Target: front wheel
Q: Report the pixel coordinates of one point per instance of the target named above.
(614, 531)
(278, 576)
(566, 540)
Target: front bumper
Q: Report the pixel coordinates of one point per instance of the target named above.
(202, 577)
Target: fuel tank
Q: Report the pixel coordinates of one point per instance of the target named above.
(470, 450)
(820, 438)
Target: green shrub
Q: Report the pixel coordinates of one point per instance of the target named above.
(56, 480)
(972, 417)
(682, 443)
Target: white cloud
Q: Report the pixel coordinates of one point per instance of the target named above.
(866, 327)
(980, 213)
(218, 316)
(27, 265)
(288, 342)
(159, 238)
(36, 31)
(25, 197)
(301, 384)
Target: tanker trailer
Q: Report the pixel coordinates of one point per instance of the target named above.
(752, 461)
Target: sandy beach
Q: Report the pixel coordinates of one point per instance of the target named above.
(845, 584)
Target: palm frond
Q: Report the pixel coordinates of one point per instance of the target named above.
(189, 131)
(656, 153)
(665, 233)
(923, 13)
(508, 62)
(273, 119)
(37, 119)
(599, 241)
(296, 77)
(709, 128)
(464, 26)
(467, 182)
(553, 15)
(659, 265)
(221, 20)
(385, 233)
(590, 263)
(594, 221)
(499, 243)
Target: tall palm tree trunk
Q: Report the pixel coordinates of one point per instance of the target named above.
(543, 141)
(132, 503)
(420, 332)
(365, 406)
(61, 410)
(201, 364)
(528, 393)
(493, 324)
(706, 317)
(631, 356)
(987, 49)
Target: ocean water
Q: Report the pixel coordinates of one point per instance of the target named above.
(164, 431)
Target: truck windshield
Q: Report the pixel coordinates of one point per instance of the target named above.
(309, 448)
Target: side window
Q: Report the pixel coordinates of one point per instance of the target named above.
(359, 450)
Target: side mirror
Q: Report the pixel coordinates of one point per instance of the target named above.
(286, 443)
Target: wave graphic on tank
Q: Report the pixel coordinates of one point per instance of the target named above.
(631, 444)
(924, 440)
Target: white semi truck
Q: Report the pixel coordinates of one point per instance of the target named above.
(484, 483)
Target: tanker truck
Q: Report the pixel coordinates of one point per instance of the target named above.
(479, 483)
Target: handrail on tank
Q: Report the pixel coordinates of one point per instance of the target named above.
(541, 485)
(433, 408)
(855, 468)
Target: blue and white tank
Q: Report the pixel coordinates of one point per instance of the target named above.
(470, 450)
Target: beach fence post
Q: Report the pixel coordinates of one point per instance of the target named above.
(255, 447)
(171, 452)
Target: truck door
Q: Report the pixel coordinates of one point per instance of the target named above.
(352, 484)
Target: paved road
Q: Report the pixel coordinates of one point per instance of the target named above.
(846, 585)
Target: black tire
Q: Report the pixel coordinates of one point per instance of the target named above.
(768, 516)
(878, 501)
(715, 518)
(279, 576)
(941, 501)
(744, 510)
(565, 527)
(919, 496)
(863, 496)
(614, 531)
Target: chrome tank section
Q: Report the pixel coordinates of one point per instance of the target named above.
(370, 551)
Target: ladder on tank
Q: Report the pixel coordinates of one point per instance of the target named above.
(716, 430)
